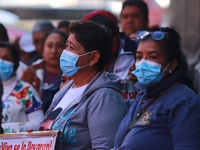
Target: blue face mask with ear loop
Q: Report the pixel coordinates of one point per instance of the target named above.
(68, 62)
(6, 69)
(148, 72)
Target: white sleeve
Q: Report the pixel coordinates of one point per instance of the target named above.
(34, 120)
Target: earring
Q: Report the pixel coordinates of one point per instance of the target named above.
(170, 71)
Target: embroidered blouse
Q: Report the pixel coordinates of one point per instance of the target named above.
(19, 100)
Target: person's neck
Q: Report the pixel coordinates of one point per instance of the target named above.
(84, 78)
(52, 69)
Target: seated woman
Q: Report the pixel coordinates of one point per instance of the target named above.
(165, 114)
(20, 102)
(89, 108)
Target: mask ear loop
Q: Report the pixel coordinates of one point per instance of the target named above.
(165, 69)
(84, 54)
(86, 64)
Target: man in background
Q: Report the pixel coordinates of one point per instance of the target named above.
(134, 16)
(40, 28)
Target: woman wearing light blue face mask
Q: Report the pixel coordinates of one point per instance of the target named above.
(90, 104)
(164, 114)
(20, 101)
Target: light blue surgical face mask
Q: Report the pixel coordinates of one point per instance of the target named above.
(68, 62)
(148, 72)
(6, 69)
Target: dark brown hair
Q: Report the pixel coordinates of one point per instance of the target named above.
(93, 36)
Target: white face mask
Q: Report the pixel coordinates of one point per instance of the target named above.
(68, 62)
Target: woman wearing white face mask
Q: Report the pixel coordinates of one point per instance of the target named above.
(20, 101)
(90, 104)
(165, 114)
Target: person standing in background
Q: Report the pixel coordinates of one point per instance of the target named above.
(28, 54)
(134, 17)
(39, 29)
(44, 74)
(49, 93)
(63, 25)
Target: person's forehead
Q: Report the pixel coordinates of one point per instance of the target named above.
(55, 36)
(4, 51)
(72, 40)
(38, 34)
(149, 44)
(131, 9)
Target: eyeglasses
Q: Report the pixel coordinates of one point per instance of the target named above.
(157, 35)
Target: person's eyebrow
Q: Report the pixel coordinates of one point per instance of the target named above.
(71, 43)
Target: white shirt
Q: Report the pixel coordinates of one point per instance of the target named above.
(8, 86)
(22, 66)
(123, 62)
(71, 97)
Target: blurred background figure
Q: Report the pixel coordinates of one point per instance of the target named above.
(48, 94)
(21, 102)
(43, 75)
(64, 80)
(134, 16)
(27, 49)
(63, 26)
(40, 28)
(5, 38)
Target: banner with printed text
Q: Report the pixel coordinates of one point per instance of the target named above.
(27, 142)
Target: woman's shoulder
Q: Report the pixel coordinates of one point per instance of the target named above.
(23, 83)
(34, 67)
(184, 90)
(106, 80)
(179, 93)
(27, 90)
(39, 65)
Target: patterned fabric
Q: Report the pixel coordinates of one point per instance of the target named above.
(22, 101)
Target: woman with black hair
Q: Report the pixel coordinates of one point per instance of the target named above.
(20, 101)
(165, 114)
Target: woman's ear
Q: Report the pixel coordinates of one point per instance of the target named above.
(172, 66)
(95, 56)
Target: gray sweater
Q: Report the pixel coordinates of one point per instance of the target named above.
(93, 122)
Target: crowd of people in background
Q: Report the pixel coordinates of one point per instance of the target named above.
(102, 87)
